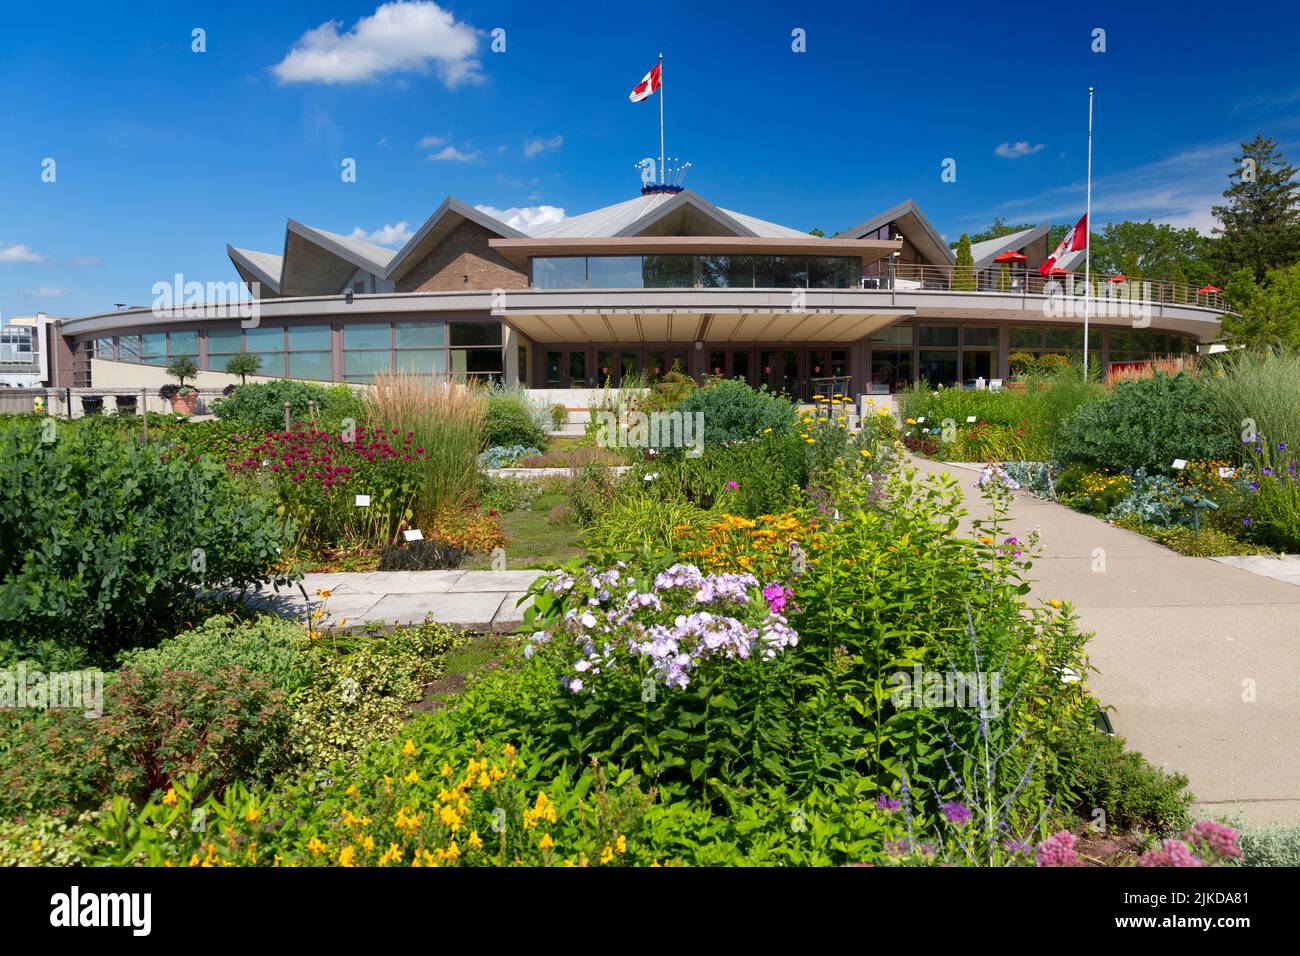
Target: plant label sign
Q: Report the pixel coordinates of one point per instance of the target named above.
(363, 501)
(921, 420)
(1227, 472)
(413, 534)
(1180, 464)
(970, 419)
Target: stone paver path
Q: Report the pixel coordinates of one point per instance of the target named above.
(481, 600)
(1199, 657)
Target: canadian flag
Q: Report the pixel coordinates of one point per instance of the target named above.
(1075, 240)
(648, 85)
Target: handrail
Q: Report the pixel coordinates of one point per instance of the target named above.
(913, 277)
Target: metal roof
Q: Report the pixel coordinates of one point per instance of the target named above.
(912, 224)
(985, 252)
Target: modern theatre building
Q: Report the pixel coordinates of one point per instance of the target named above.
(661, 280)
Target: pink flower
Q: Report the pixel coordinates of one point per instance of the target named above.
(1057, 850)
(1171, 853)
(1214, 840)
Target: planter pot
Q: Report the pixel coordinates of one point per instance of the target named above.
(92, 404)
(184, 404)
(126, 404)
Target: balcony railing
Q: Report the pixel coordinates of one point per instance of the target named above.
(907, 277)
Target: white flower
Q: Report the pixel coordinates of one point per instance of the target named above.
(588, 619)
(651, 477)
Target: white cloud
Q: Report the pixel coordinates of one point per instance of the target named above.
(45, 292)
(536, 146)
(453, 154)
(389, 234)
(399, 37)
(524, 218)
(17, 252)
(1016, 150)
(431, 141)
(82, 261)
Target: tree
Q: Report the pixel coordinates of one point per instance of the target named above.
(999, 229)
(1263, 314)
(817, 232)
(963, 275)
(1260, 222)
(244, 364)
(1145, 250)
(181, 368)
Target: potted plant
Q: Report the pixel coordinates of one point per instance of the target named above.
(244, 364)
(183, 397)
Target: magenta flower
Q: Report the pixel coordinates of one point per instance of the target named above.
(956, 813)
(1057, 850)
(1170, 853)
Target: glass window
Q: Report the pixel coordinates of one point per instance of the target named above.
(567, 272)
(153, 348)
(832, 272)
(938, 368)
(365, 364)
(577, 367)
(373, 336)
(314, 365)
(894, 335)
(426, 361)
(475, 361)
(421, 335)
(978, 365)
(1026, 337)
(717, 363)
(268, 339)
(305, 338)
(614, 272)
(780, 272)
(937, 335)
(183, 343)
(522, 370)
(980, 338)
(475, 333)
(128, 347)
(1065, 338)
(668, 272)
(727, 272)
(225, 341)
(104, 348)
(891, 370)
(553, 367)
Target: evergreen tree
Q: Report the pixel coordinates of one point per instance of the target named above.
(1260, 222)
(963, 275)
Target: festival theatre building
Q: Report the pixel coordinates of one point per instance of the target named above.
(663, 280)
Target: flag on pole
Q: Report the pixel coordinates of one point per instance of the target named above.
(1074, 240)
(648, 85)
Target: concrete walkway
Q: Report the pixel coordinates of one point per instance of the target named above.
(480, 600)
(1199, 658)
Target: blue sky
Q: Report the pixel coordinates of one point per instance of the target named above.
(163, 155)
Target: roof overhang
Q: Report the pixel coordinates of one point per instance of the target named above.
(445, 218)
(519, 251)
(907, 218)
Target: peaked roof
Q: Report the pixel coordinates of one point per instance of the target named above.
(362, 254)
(640, 215)
(985, 252)
(908, 219)
(445, 218)
(263, 267)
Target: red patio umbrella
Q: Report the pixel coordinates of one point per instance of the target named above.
(1058, 271)
(1119, 278)
(1011, 256)
(1209, 288)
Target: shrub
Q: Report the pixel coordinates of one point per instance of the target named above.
(505, 456)
(1102, 774)
(508, 494)
(1273, 844)
(1146, 423)
(735, 412)
(270, 646)
(635, 524)
(244, 364)
(103, 541)
(1151, 499)
(591, 490)
(1021, 362)
(45, 839)
(750, 478)
(260, 405)
(511, 420)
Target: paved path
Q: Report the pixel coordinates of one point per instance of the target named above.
(1199, 658)
(481, 600)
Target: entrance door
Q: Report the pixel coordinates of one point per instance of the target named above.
(780, 370)
(730, 363)
(565, 368)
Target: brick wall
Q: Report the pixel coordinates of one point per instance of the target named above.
(464, 253)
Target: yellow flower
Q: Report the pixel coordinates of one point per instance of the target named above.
(864, 453)
(453, 852)
(323, 592)
(911, 421)
(392, 855)
(170, 798)
(408, 748)
(369, 843)
(348, 856)
(509, 751)
(484, 781)
(252, 815)
(810, 441)
(607, 854)
(621, 844)
(36, 846)
(412, 777)
(475, 840)
(546, 842)
(315, 846)
(1055, 603)
(446, 770)
(767, 431)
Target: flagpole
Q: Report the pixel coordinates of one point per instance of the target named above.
(1087, 244)
(661, 119)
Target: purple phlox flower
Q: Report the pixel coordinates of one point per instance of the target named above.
(888, 804)
(956, 813)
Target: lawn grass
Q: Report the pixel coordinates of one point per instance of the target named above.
(535, 539)
(471, 654)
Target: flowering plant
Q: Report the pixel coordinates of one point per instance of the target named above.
(673, 671)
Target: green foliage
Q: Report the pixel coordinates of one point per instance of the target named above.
(45, 839)
(1145, 250)
(508, 494)
(260, 405)
(747, 478)
(963, 274)
(511, 421)
(1272, 844)
(1151, 499)
(1260, 220)
(270, 646)
(1021, 362)
(591, 490)
(182, 367)
(103, 541)
(635, 523)
(1256, 393)
(1146, 423)
(735, 412)
(244, 364)
(1264, 314)
(1210, 543)
(1101, 774)
(669, 392)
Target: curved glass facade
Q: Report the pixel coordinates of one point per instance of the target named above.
(688, 272)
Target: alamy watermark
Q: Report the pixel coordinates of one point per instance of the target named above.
(74, 690)
(974, 690)
(627, 428)
(1118, 300)
(216, 300)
